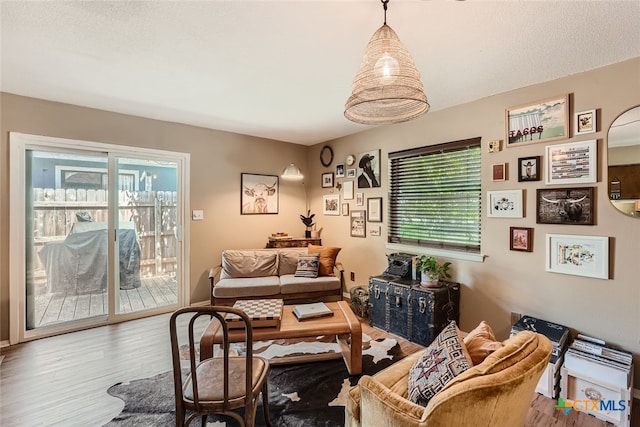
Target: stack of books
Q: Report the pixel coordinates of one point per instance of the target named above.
(549, 384)
(597, 372)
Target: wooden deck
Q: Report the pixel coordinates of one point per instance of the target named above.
(62, 307)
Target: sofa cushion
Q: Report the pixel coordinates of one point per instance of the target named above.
(247, 287)
(249, 263)
(288, 260)
(307, 266)
(481, 342)
(328, 255)
(440, 363)
(290, 284)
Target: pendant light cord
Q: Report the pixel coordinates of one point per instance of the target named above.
(384, 5)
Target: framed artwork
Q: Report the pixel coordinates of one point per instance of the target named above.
(327, 180)
(494, 146)
(358, 224)
(521, 239)
(345, 209)
(585, 122)
(374, 209)
(369, 169)
(578, 255)
(258, 194)
(359, 199)
(505, 204)
(565, 206)
(340, 170)
(529, 168)
(499, 171)
(351, 173)
(541, 121)
(375, 230)
(331, 204)
(347, 190)
(571, 163)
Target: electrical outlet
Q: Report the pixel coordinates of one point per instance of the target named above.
(353, 276)
(515, 317)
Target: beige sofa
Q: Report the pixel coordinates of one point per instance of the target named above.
(270, 273)
(496, 392)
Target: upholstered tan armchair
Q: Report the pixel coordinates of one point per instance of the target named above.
(496, 392)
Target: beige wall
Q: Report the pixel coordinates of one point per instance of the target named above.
(505, 282)
(510, 281)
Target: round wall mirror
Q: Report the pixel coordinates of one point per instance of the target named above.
(326, 156)
(623, 141)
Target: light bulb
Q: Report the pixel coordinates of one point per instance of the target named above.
(386, 68)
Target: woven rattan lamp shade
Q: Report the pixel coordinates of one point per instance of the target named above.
(387, 88)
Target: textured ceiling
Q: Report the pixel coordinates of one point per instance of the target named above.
(283, 70)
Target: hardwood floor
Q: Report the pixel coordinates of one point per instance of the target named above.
(62, 380)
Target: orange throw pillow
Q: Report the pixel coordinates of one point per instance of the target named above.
(481, 342)
(328, 255)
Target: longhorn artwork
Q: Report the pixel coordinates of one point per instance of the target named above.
(566, 206)
(259, 194)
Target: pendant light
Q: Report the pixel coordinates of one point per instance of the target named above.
(387, 88)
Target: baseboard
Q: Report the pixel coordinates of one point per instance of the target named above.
(346, 295)
(4, 344)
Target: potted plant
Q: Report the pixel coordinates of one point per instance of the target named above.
(308, 222)
(432, 271)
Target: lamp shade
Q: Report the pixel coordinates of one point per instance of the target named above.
(387, 88)
(292, 172)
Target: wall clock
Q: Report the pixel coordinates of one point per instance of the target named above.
(326, 156)
(351, 159)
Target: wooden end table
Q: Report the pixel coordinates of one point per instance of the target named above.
(344, 324)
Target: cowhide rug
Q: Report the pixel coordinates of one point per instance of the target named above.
(304, 394)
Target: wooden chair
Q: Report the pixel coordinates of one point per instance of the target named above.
(217, 385)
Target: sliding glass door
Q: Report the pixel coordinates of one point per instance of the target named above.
(99, 227)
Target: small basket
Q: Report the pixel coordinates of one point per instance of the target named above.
(360, 301)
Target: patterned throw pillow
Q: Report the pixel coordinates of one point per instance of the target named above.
(439, 364)
(308, 265)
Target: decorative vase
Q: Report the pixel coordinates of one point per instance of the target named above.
(307, 234)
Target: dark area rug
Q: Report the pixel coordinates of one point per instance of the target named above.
(306, 394)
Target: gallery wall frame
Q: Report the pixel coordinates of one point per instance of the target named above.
(585, 122)
(540, 121)
(374, 209)
(529, 168)
(567, 206)
(345, 209)
(259, 194)
(359, 199)
(571, 163)
(347, 190)
(499, 171)
(521, 239)
(327, 180)
(578, 255)
(340, 170)
(358, 224)
(369, 169)
(505, 204)
(331, 204)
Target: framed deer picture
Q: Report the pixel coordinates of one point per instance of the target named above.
(569, 206)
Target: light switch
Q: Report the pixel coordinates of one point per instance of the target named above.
(197, 215)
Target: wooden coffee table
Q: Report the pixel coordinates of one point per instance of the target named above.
(344, 324)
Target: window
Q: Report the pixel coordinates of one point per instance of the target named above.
(434, 198)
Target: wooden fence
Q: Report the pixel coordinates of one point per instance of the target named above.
(152, 213)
